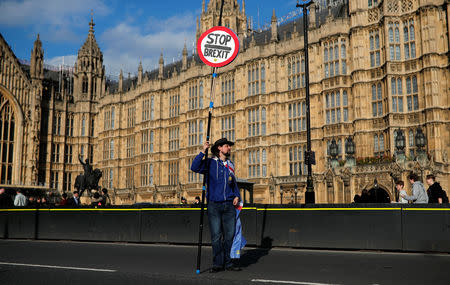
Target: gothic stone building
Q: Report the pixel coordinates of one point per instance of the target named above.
(375, 67)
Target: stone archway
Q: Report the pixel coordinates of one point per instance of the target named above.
(11, 138)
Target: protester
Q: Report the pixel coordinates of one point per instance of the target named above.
(63, 200)
(222, 196)
(20, 200)
(435, 192)
(75, 200)
(419, 195)
(399, 186)
(106, 201)
(5, 200)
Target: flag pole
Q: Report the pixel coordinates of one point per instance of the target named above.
(205, 176)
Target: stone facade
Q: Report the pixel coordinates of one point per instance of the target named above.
(375, 67)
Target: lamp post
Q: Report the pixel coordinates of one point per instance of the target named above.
(333, 150)
(400, 144)
(350, 152)
(421, 141)
(281, 194)
(309, 195)
(295, 192)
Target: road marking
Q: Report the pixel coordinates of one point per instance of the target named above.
(289, 282)
(58, 267)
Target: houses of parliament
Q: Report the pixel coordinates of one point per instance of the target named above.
(379, 91)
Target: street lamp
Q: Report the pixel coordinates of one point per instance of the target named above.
(295, 191)
(349, 152)
(420, 139)
(333, 150)
(309, 195)
(281, 194)
(400, 141)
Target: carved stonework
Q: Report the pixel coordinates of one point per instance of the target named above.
(392, 6)
(407, 5)
(374, 15)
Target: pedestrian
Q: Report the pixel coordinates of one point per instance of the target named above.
(32, 201)
(20, 200)
(197, 200)
(75, 200)
(222, 197)
(399, 186)
(183, 201)
(63, 200)
(106, 200)
(96, 200)
(5, 200)
(419, 195)
(435, 192)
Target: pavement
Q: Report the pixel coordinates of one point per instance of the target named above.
(67, 262)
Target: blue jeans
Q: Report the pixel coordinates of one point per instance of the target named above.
(222, 224)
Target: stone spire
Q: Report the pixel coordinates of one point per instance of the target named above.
(312, 15)
(161, 66)
(121, 81)
(140, 73)
(37, 60)
(274, 27)
(203, 7)
(243, 7)
(185, 53)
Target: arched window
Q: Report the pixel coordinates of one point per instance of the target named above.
(7, 127)
(83, 126)
(85, 84)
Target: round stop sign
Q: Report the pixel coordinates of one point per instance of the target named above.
(218, 46)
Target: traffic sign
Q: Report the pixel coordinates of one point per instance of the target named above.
(218, 46)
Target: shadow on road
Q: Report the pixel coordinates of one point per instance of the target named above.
(252, 256)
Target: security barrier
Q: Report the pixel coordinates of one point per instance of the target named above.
(351, 226)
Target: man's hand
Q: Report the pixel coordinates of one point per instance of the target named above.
(205, 146)
(235, 201)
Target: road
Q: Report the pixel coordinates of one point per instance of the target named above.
(65, 262)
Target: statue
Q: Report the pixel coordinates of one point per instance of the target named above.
(88, 180)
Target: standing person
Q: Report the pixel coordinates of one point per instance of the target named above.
(222, 196)
(75, 200)
(63, 200)
(106, 200)
(20, 200)
(183, 201)
(399, 186)
(5, 200)
(419, 195)
(197, 200)
(435, 192)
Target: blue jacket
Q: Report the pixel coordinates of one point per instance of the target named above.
(222, 184)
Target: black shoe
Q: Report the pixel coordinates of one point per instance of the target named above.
(233, 268)
(215, 269)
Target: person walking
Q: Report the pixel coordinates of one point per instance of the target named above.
(435, 192)
(222, 196)
(419, 195)
(5, 200)
(399, 185)
(20, 200)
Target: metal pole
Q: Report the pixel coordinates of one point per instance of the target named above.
(309, 195)
(205, 176)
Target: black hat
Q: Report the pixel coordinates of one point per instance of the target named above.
(220, 142)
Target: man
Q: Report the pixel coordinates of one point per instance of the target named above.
(399, 186)
(75, 200)
(197, 200)
(222, 196)
(419, 195)
(435, 192)
(106, 200)
(5, 200)
(20, 200)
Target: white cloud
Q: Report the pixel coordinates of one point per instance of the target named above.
(57, 18)
(65, 60)
(124, 44)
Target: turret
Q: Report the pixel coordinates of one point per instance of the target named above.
(161, 66)
(185, 53)
(37, 60)
(121, 81)
(140, 73)
(274, 27)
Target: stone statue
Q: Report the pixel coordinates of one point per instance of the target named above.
(88, 180)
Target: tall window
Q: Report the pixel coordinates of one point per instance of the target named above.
(145, 109)
(55, 152)
(85, 84)
(105, 149)
(131, 118)
(174, 142)
(331, 58)
(130, 147)
(296, 72)
(412, 90)
(129, 177)
(411, 143)
(345, 105)
(228, 90)
(7, 127)
(296, 160)
(83, 126)
(113, 117)
(152, 108)
(173, 172)
(68, 153)
(257, 161)
(107, 120)
(192, 176)
(82, 152)
(54, 179)
(374, 45)
(372, 3)
(196, 95)
(146, 174)
(195, 132)
(394, 41)
(397, 94)
(409, 39)
(336, 107)
(174, 105)
(67, 181)
(377, 104)
(111, 178)
(111, 149)
(297, 116)
(92, 127)
(228, 126)
(256, 79)
(378, 144)
(57, 124)
(69, 125)
(344, 56)
(257, 122)
(151, 141)
(144, 141)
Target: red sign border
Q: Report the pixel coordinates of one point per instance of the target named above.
(233, 56)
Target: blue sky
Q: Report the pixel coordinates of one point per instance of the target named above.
(126, 30)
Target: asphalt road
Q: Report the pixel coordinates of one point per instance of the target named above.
(63, 262)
